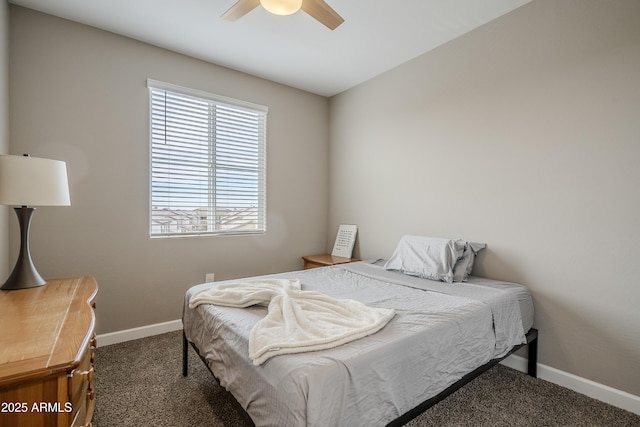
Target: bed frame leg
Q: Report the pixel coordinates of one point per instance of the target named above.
(532, 368)
(185, 355)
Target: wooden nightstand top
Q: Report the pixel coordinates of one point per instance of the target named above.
(322, 260)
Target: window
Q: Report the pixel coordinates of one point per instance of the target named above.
(207, 163)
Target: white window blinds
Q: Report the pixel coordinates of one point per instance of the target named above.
(208, 163)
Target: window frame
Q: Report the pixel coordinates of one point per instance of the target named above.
(214, 101)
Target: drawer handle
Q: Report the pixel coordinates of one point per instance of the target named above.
(91, 394)
(87, 375)
(94, 341)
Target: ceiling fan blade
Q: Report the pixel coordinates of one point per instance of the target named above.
(321, 11)
(241, 8)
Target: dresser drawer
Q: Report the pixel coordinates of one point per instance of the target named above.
(82, 389)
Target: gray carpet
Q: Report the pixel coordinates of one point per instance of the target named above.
(140, 383)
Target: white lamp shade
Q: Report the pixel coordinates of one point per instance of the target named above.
(32, 181)
(282, 7)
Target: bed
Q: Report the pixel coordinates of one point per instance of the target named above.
(442, 336)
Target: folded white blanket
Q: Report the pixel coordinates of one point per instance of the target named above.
(297, 320)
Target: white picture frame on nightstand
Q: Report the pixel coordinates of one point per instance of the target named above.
(345, 240)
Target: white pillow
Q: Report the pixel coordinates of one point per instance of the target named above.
(463, 267)
(428, 257)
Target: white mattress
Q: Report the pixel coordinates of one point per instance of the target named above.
(441, 332)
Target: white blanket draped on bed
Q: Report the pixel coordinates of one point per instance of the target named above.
(297, 320)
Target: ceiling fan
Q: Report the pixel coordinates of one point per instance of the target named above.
(318, 9)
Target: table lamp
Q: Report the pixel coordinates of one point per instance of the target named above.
(30, 181)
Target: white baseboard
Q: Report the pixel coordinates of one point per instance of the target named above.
(581, 385)
(137, 333)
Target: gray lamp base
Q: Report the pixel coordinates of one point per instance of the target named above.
(24, 274)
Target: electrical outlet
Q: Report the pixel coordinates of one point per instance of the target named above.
(209, 277)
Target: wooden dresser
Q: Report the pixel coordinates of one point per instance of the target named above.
(46, 354)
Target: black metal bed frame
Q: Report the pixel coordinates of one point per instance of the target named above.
(532, 343)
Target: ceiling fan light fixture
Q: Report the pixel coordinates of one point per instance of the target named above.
(282, 7)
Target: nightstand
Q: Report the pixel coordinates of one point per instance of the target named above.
(323, 260)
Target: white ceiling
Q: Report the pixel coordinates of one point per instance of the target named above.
(295, 50)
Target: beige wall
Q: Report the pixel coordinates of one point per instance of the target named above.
(4, 131)
(79, 94)
(524, 134)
